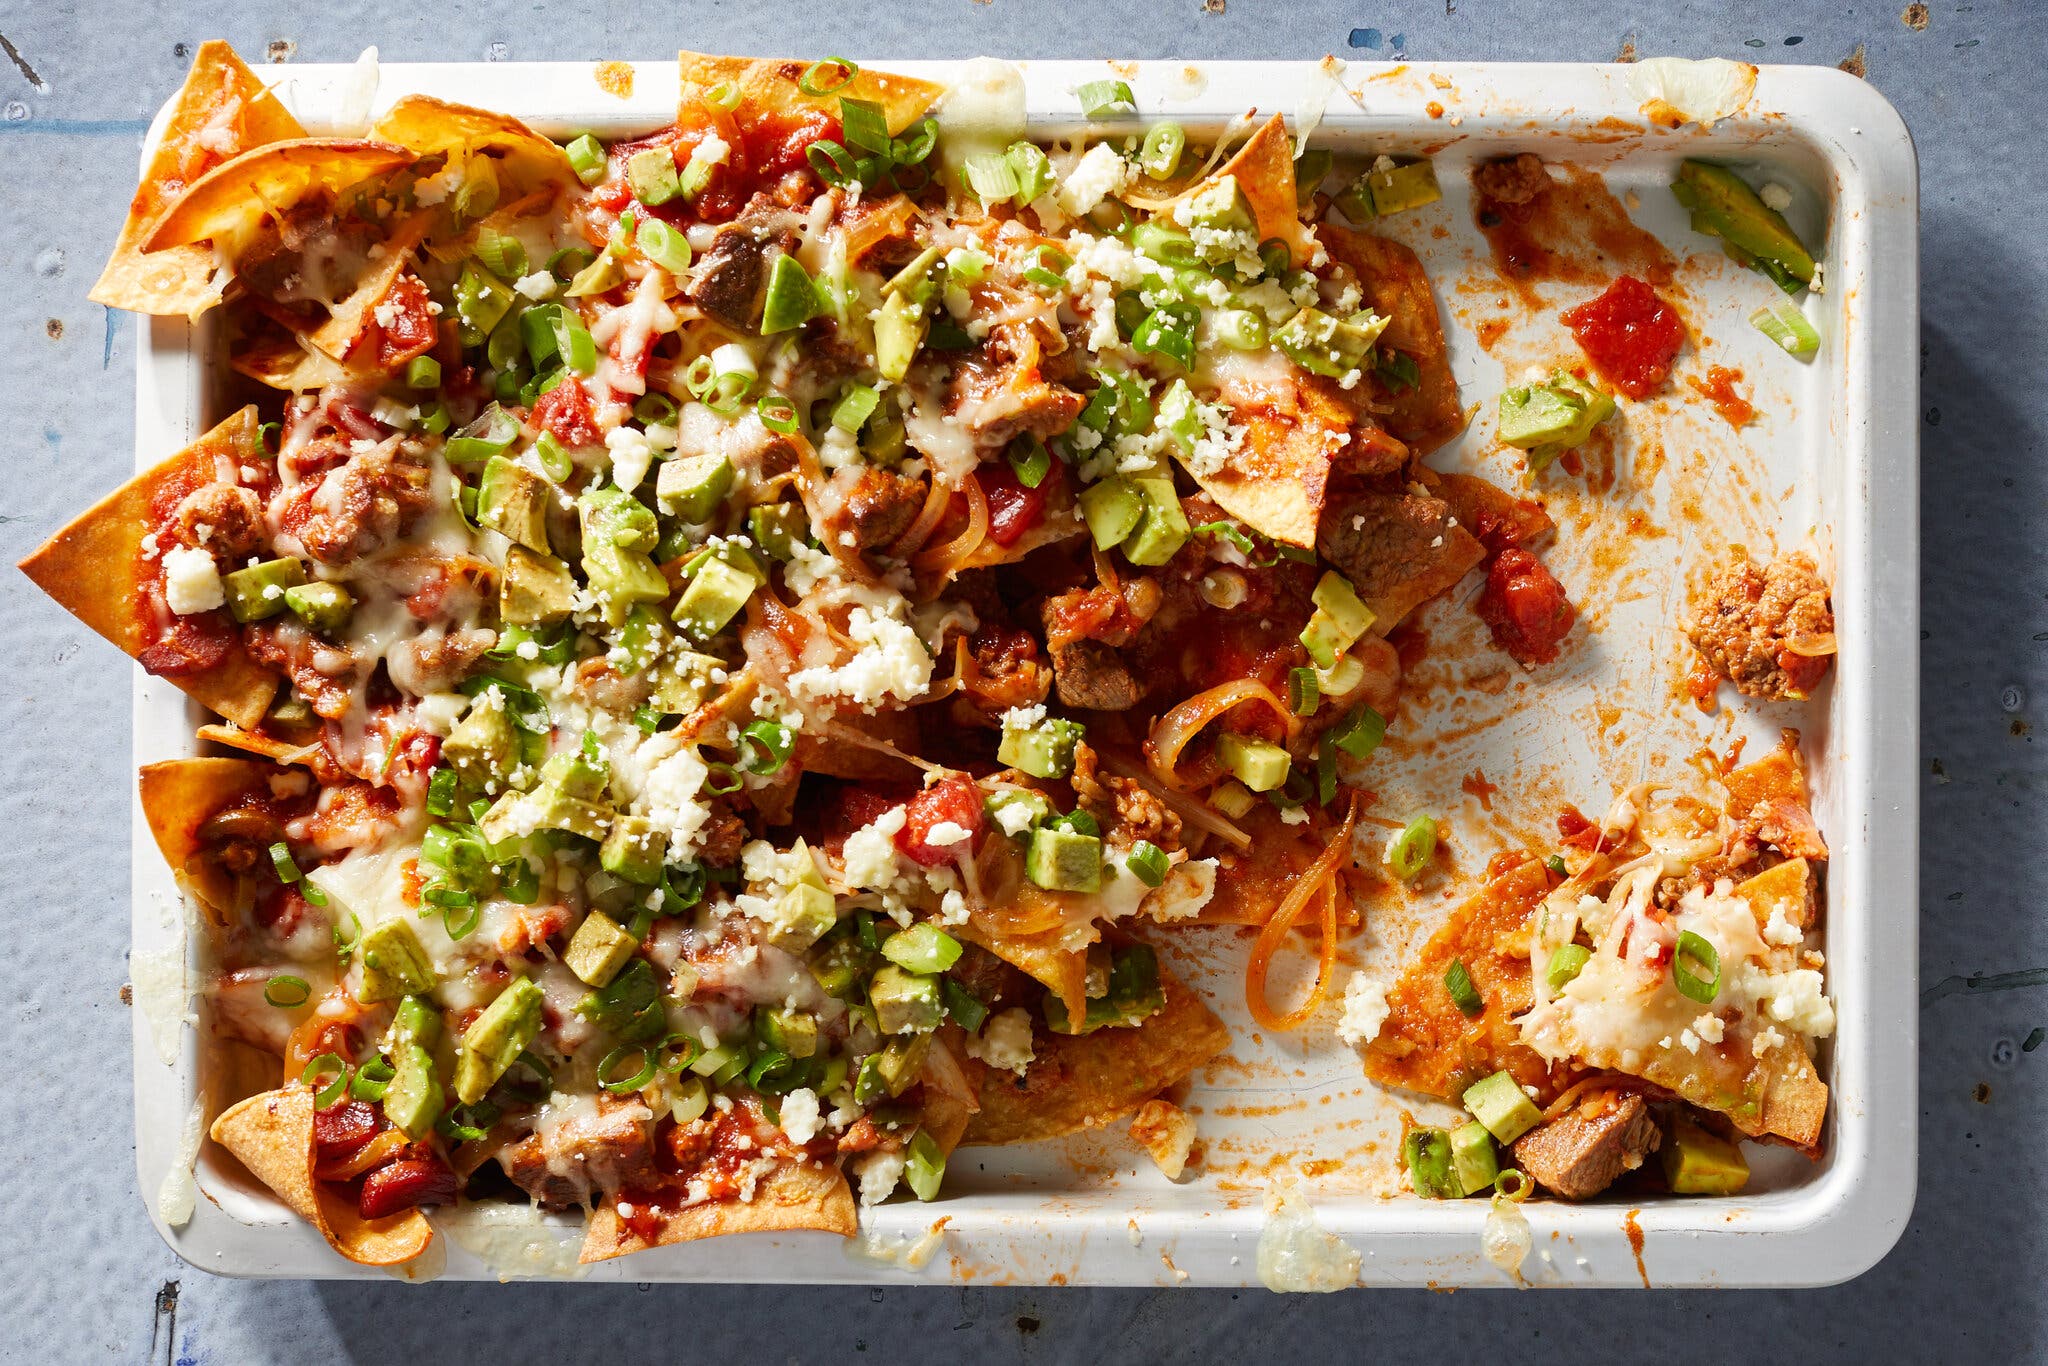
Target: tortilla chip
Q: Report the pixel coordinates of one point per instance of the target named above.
(797, 1195)
(283, 361)
(239, 193)
(1084, 1081)
(1795, 1099)
(1044, 957)
(1427, 1044)
(526, 161)
(1426, 414)
(221, 111)
(90, 567)
(1264, 168)
(180, 795)
(1488, 511)
(1788, 885)
(1294, 432)
(348, 320)
(269, 747)
(768, 83)
(272, 1135)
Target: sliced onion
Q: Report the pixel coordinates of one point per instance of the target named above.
(1320, 877)
(1678, 90)
(948, 558)
(942, 1070)
(936, 498)
(1815, 646)
(1171, 732)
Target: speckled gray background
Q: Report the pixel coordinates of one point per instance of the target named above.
(87, 1280)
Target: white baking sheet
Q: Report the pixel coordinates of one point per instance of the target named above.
(1831, 463)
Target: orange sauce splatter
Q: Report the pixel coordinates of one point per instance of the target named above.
(1719, 390)
(1634, 1231)
(615, 78)
(1475, 783)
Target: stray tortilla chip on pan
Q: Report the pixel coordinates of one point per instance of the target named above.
(178, 797)
(1427, 413)
(94, 569)
(525, 160)
(797, 1195)
(235, 198)
(272, 1135)
(770, 83)
(221, 111)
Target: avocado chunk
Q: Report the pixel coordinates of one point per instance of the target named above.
(1045, 750)
(905, 1002)
(805, 914)
(1221, 221)
(629, 1005)
(578, 774)
(598, 949)
(1499, 1103)
(682, 681)
(1324, 345)
(1339, 619)
(1259, 764)
(1697, 1162)
(634, 850)
(891, 1071)
(718, 590)
(1112, 508)
(777, 528)
(607, 272)
(692, 486)
(1063, 860)
(417, 1021)
(618, 532)
(1550, 418)
(257, 592)
(1018, 809)
(513, 501)
(794, 1032)
(899, 331)
(535, 590)
(484, 744)
(1407, 186)
(554, 809)
(1163, 529)
(326, 607)
(792, 299)
(840, 965)
(1722, 205)
(496, 1038)
(1473, 1160)
(653, 176)
(395, 963)
(413, 1099)
(1426, 1153)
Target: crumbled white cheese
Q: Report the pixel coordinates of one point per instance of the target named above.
(1096, 176)
(1780, 931)
(1775, 196)
(800, 1118)
(879, 1172)
(1797, 999)
(868, 857)
(1005, 1041)
(538, 285)
(1365, 1008)
(1709, 1027)
(192, 581)
(888, 661)
(631, 456)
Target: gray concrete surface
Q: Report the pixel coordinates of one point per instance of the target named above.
(87, 1280)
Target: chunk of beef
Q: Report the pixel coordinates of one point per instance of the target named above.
(1382, 540)
(226, 519)
(999, 391)
(1007, 670)
(730, 278)
(1769, 630)
(435, 661)
(565, 1162)
(1093, 677)
(1121, 806)
(875, 505)
(365, 505)
(1511, 180)
(1585, 1150)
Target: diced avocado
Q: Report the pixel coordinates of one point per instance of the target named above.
(1112, 508)
(840, 965)
(634, 850)
(496, 1038)
(717, 592)
(483, 745)
(1473, 1160)
(1550, 418)
(692, 486)
(1259, 764)
(1697, 1162)
(640, 641)
(606, 273)
(416, 1022)
(653, 176)
(905, 1002)
(554, 809)
(682, 681)
(395, 963)
(535, 590)
(892, 1071)
(1221, 205)
(1499, 1103)
(1324, 640)
(1020, 808)
(513, 501)
(1426, 1153)
(611, 516)
(1045, 750)
(622, 578)
(598, 949)
(412, 1101)
(1324, 345)
(805, 914)
(794, 1032)
(1163, 530)
(792, 299)
(326, 607)
(577, 774)
(777, 528)
(899, 331)
(914, 275)
(258, 591)
(1233, 799)
(1408, 186)
(1064, 860)
(1335, 595)
(1723, 205)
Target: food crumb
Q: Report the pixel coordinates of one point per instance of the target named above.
(1166, 1260)
(1212, 6)
(1915, 17)
(615, 78)
(1853, 63)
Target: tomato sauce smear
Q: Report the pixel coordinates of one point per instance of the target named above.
(1630, 335)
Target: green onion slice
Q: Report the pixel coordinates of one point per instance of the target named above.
(1784, 323)
(721, 779)
(634, 1081)
(281, 860)
(1160, 156)
(586, 158)
(1106, 97)
(1566, 962)
(1304, 694)
(1361, 733)
(775, 742)
(777, 413)
(1148, 863)
(335, 1069)
(924, 1166)
(373, 1078)
(1413, 848)
(1030, 460)
(818, 77)
(1696, 968)
(287, 992)
(1458, 982)
(441, 792)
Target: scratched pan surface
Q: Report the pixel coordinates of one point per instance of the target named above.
(1830, 463)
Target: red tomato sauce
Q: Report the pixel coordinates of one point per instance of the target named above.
(1526, 607)
(1719, 390)
(1630, 335)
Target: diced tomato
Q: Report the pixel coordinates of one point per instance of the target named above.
(854, 807)
(411, 330)
(188, 645)
(953, 800)
(565, 412)
(406, 1184)
(1576, 831)
(1012, 508)
(343, 1127)
(1630, 334)
(1526, 607)
(777, 143)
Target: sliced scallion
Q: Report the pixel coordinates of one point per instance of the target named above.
(1106, 97)
(287, 992)
(1696, 968)
(1458, 982)
(1784, 323)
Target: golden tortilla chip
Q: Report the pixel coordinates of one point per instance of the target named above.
(180, 795)
(270, 747)
(1084, 1081)
(1264, 170)
(272, 1135)
(769, 83)
(238, 194)
(283, 361)
(348, 320)
(93, 567)
(526, 161)
(1042, 955)
(796, 1195)
(1293, 434)
(1426, 414)
(221, 111)
(1484, 507)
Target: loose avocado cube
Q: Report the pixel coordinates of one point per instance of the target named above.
(1723, 205)
(496, 1038)
(634, 850)
(326, 607)
(1327, 346)
(1407, 186)
(1045, 750)
(598, 949)
(395, 963)
(1499, 1103)
(1064, 861)
(840, 964)
(792, 300)
(1697, 1162)
(1163, 530)
(555, 809)
(606, 273)
(804, 915)
(513, 501)
(483, 745)
(1017, 809)
(413, 1100)
(1535, 415)
(905, 1002)
(1335, 595)
(682, 681)
(777, 528)
(717, 592)
(1324, 640)
(535, 589)
(692, 486)
(899, 331)
(1112, 508)
(258, 591)
(1221, 205)
(417, 1021)
(653, 176)
(1426, 1153)
(1260, 765)
(902, 1062)
(641, 640)
(613, 517)
(577, 774)
(620, 578)
(794, 1032)
(1473, 1161)
(911, 277)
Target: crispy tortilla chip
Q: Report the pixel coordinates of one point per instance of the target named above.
(1788, 885)
(1043, 956)
(272, 1135)
(1264, 168)
(771, 83)
(235, 195)
(283, 361)
(1293, 434)
(266, 746)
(797, 1195)
(179, 796)
(221, 111)
(91, 567)
(1427, 1044)
(526, 161)
(1795, 1099)
(1427, 414)
(1484, 508)
(349, 319)
(1084, 1081)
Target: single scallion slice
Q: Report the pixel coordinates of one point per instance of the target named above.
(991, 177)
(423, 372)
(1304, 694)
(373, 1079)
(1566, 962)
(827, 77)
(1100, 98)
(613, 1076)
(287, 992)
(1361, 732)
(1030, 460)
(586, 158)
(1148, 863)
(1785, 323)
(924, 947)
(1696, 968)
(772, 742)
(924, 1166)
(328, 1076)
(1160, 156)
(1458, 982)
(777, 413)
(1412, 849)
(663, 245)
(865, 125)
